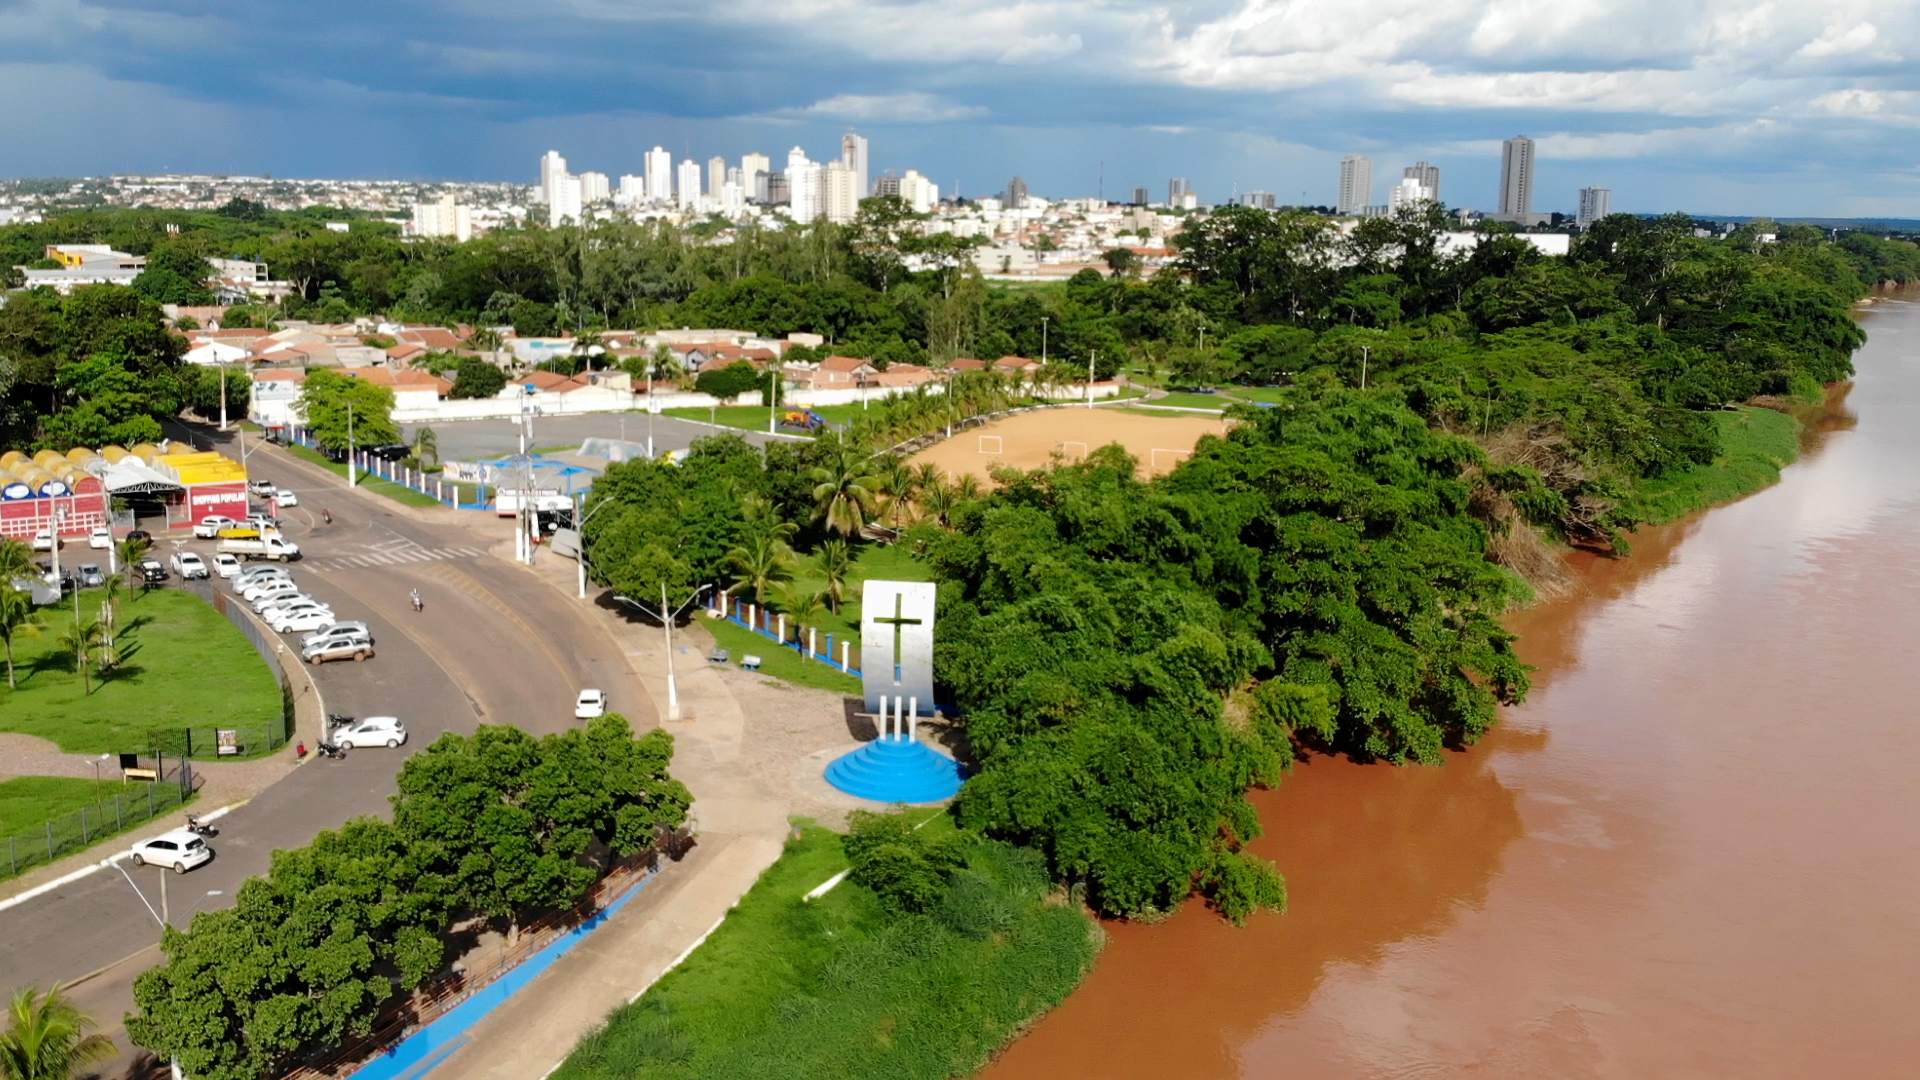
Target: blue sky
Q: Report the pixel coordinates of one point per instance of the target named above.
(1765, 106)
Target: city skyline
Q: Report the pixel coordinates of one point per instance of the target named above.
(1797, 114)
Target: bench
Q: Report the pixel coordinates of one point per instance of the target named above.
(750, 662)
(131, 769)
(719, 656)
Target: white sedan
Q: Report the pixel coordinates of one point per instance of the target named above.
(590, 704)
(300, 620)
(43, 540)
(179, 851)
(189, 566)
(101, 537)
(226, 565)
(373, 731)
(283, 497)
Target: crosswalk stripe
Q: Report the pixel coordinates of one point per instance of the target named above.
(391, 555)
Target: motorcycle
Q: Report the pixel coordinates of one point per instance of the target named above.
(327, 749)
(326, 516)
(335, 720)
(199, 828)
(418, 604)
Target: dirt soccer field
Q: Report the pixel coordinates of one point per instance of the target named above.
(1029, 440)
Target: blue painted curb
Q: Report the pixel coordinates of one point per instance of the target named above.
(419, 1053)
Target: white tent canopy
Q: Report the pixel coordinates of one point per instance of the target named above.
(216, 352)
(131, 476)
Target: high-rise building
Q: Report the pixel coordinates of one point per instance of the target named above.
(1356, 184)
(633, 189)
(803, 186)
(1259, 200)
(689, 187)
(1516, 178)
(659, 175)
(839, 193)
(732, 199)
(853, 155)
(1016, 193)
(1141, 196)
(1409, 192)
(753, 173)
(443, 218)
(716, 174)
(565, 204)
(1176, 189)
(918, 192)
(1595, 203)
(593, 188)
(552, 168)
(1428, 175)
(776, 191)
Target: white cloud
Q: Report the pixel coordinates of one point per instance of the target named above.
(1841, 42)
(1039, 50)
(908, 108)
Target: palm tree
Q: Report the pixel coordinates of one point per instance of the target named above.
(426, 445)
(82, 640)
(927, 476)
(896, 478)
(801, 604)
(110, 606)
(835, 560)
(762, 562)
(487, 340)
(47, 1038)
(937, 501)
(17, 618)
(583, 345)
(843, 493)
(132, 550)
(967, 488)
(15, 559)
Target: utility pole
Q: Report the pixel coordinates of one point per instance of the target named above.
(1090, 359)
(223, 394)
(1366, 353)
(666, 621)
(649, 408)
(352, 479)
(1043, 341)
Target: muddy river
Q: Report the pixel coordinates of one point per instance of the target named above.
(1694, 852)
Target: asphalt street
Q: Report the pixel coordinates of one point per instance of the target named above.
(486, 440)
(493, 645)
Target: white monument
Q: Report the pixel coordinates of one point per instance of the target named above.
(896, 643)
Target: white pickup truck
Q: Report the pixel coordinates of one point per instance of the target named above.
(254, 544)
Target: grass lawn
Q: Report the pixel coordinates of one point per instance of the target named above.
(379, 486)
(31, 807)
(1188, 400)
(841, 989)
(29, 802)
(783, 663)
(1755, 445)
(754, 417)
(183, 666)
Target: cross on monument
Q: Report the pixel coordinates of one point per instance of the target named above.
(898, 621)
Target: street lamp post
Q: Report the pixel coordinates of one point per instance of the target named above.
(1091, 357)
(666, 621)
(1366, 353)
(223, 395)
(96, 777)
(352, 477)
(1043, 341)
(650, 409)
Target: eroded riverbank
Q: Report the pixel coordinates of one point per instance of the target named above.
(1687, 855)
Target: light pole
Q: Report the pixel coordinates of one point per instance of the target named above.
(96, 777)
(1203, 337)
(1091, 357)
(1043, 341)
(580, 527)
(352, 477)
(59, 522)
(649, 410)
(223, 394)
(773, 397)
(1366, 353)
(666, 620)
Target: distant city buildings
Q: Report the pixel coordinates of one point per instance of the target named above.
(1180, 194)
(1259, 200)
(593, 188)
(1594, 205)
(853, 157)
(689, 187)
(564, 203)
(1356, 184)
(1141, 196)
(1516, 182)
(1428, 177)
(444, 218)
(552, 168)
(659, 167)
(84, 264)
(1409, 193)
(1016, 193)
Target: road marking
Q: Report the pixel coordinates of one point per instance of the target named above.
(392, 553)
(68, 879)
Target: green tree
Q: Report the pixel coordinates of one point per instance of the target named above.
(17, 618)
(903, 863)
(843, 492)
(330, 401)
(728, 382)
(83, 641)
(835, 561)
(762, 562)
(48, 1038)
(476, 378)
(426, 445)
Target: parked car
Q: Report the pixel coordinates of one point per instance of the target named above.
(189, 565)
(91, 576)
(284, 497)
(226, 565)
(260, 486)
(101, 537)
(294, 606)
(337, 649)
(390, 451)
(65, 580)
(300, 619)
(151, 572)
(179, 851)
(253, 575)
(589, 704)
(373, 731)
(209, 527)
(263, 522)
(337, 630)
(139, 534)
(337, 454)
(278, 598)
(255, 588)
(43, 540)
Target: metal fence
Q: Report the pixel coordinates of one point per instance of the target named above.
(459, 496)
(129, 805)
(239, 740)
(805, 640)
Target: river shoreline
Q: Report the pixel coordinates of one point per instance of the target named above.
(1494, 915)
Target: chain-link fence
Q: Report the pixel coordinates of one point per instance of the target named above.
(239, 740)
(127, 806)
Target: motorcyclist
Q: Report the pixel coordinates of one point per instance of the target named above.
(326, 515)
(417, 605)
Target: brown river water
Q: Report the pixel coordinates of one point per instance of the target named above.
(1694, 851)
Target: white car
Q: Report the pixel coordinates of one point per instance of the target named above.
(265, 600)
(267, 605)
(189, 566)
(254, 590)
(283, 497)
(260, 487)
(373, 731)
(179, 851)
(226, 565)
(43, 540)
(254, 575)
(300, 619)
(589, 704)
(101, 537)
(338, 630)
(209, 527)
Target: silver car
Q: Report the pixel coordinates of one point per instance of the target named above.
(351, 629)
(338, 649)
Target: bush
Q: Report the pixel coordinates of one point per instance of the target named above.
(475, 378)
(728, 382)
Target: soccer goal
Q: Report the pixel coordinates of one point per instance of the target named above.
(1073, 451)
(990, 444)
(1160, 459)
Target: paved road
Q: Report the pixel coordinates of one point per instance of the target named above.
(494, 644)
(482, 440)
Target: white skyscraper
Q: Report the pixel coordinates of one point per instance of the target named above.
(443, 218)
(753, 171)
(1408, 192)
(716, 175)
(1356, 184)
(732, 198)
(803, 186)
(552, 168)
(1595, 203)
(565, 205)
(919, 192)
(633, 189)
(659, 175)
(1428, 175)
(853, 155)
(1516, 179)
(593, 188)
(839, 193)
(689, 183)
